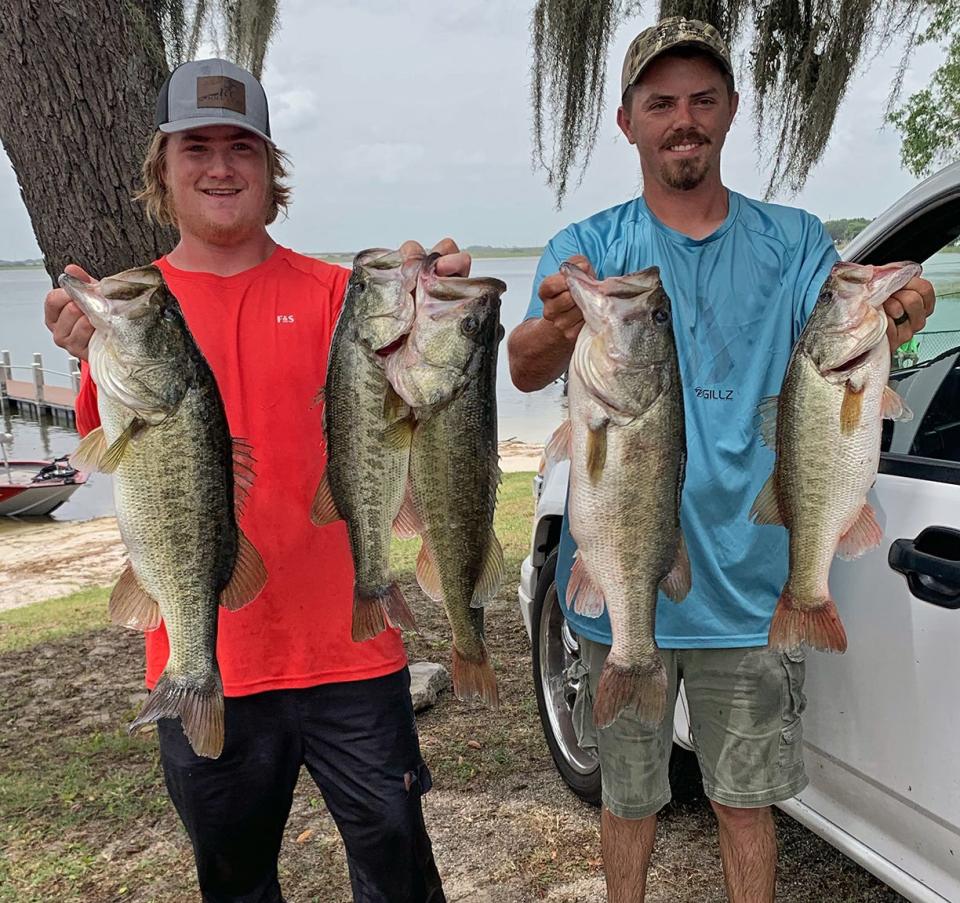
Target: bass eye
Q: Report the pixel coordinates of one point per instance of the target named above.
(469, 326)
(661, 316)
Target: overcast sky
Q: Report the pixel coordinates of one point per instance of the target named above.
(412, 120)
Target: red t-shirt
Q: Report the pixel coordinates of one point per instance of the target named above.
(266, 334)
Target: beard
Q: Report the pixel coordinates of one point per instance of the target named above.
(685, 175)
(220, 232)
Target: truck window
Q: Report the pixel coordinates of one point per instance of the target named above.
(926, 374)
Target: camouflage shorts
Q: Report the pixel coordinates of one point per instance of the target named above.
(744, 706)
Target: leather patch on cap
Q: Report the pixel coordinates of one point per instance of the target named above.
(221, 92)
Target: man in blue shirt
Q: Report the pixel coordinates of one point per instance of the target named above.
(742, 276)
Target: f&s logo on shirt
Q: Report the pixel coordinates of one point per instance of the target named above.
(285, 318)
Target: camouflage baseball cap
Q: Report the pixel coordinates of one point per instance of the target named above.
(675, 31)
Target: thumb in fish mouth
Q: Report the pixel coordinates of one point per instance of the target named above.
(891, 278)
(87, 296)
(880, 281)
(599, 300)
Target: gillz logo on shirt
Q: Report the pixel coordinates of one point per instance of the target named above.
(285, 318)
(714, 394)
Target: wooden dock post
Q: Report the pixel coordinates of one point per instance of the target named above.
(36, 394)
(38, 378)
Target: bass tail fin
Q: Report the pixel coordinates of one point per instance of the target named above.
(375, 610)
(475, 679)
(818, 626)
(641, 686)
(199, 706)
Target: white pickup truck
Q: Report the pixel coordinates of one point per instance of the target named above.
(882, 725)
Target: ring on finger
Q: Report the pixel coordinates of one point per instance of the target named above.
(899, 321)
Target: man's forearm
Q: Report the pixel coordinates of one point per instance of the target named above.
(538, 353)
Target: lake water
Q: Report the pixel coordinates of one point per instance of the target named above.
(529, 418)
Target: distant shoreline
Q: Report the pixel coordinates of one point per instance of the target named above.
(477, 252)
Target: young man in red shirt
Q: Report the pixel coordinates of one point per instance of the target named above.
(298, 690)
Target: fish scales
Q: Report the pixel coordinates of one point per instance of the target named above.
(828, 423)
(820, 503)
(627, 451)
(178, 523)
(621, 517)
(367, 476)
(446, 373)
(454, 474)
(367, 459)
(164, 436)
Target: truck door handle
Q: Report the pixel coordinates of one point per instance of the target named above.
(931, 564)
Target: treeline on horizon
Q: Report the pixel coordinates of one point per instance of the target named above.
(844, 230)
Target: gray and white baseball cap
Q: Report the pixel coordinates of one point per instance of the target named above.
(212, 92)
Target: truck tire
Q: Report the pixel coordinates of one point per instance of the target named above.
(554, 650)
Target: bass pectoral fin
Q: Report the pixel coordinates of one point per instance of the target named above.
(131, 605)
(596, 451)
(588, 599)
(248, 577)
(93, 453)
(560, 443)
(394, 407)
(89, 453)
(677, 583)
(399, 434)
(893, 407)
(851, 409)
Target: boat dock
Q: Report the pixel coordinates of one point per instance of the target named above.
(36, 393)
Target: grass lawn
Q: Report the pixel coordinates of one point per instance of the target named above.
(84, 816)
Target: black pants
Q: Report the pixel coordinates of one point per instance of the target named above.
(359, 743)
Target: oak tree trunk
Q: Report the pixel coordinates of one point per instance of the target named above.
(78, 84)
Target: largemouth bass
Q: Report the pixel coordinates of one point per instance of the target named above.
(165, 438)
(367, 436)
(825, 427)
(626, 441)
(446, 374)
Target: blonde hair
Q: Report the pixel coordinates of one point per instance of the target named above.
(156, 198)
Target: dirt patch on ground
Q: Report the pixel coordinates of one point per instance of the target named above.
(46, 559)
(86, 817)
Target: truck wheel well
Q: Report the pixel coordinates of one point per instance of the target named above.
(547, 538)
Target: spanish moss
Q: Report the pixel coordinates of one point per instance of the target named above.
(247, 27)
(570, 41)
(800, 56)
(250, 26)
(803, 57)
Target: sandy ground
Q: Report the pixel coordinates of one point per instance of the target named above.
(517, 456)
(53, 558)
(45, 559)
